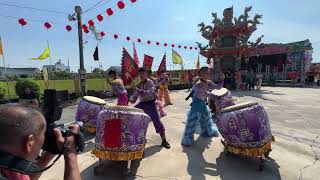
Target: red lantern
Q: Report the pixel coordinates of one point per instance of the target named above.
(102, 34)
(172, 45)
(120, 4)
(22, 22)
(157, 43)
(139, 40)
(115, 36)
(100, 17)
(165, 44)
(190, 48)
(128, 38)
(91, 23)
(109, 12)
(84, 27)
(68, 28)
(148, 42)
(179, 46)
(133, 1)
(185, 47)
(47, 25)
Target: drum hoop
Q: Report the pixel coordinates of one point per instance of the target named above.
(123, 108)
(220, 95)
(239, 106)
(92, 100)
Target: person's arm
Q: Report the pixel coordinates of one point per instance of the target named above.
(135, 96)
(212, 85)
(71, 168)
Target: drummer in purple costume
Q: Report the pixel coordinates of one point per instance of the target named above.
(146, 93)
(199, 109)
(118, 89)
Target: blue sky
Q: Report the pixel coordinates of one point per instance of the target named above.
(171, 21)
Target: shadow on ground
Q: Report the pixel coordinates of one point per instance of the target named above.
(117, 169)
(257, 94)
(227, 167)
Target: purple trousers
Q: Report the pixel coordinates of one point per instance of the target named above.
(150, 109)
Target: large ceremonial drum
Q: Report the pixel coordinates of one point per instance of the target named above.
(220, 99)
(88, 109)
(121, 133)
(245, 129)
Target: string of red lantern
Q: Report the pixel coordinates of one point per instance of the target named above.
(148, 42)
(109, 11)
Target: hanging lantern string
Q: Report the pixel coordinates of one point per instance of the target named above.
(147, 43)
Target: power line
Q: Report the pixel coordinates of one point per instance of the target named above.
(32, 8)
(97, 5)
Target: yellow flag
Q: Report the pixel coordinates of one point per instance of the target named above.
(1, 49)
(176, 58)
(44, 55)
(198, 63)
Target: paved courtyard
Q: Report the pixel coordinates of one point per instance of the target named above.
(294, 115)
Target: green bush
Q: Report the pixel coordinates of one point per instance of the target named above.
(2, 92)
(22, 84)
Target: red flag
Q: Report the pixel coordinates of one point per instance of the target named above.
(147, 61)
(135, 55)
(129, 68)
(163, 64)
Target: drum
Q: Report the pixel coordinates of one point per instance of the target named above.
(88, 109)
(220, 99)
(245, 129)
(121, 133)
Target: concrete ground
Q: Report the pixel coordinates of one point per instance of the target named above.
(294, 115)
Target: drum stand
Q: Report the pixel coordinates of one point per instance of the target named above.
(263, 158)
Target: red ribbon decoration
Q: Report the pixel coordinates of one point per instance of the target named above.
(22, 22)
(109, 12)
(121, 4)
(91, 23)
(47, 25)
(68, 28)
(100, 17)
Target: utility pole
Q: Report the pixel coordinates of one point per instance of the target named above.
(81, 71)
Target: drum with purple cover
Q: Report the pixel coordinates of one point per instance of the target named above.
(245, 129)
(221, 98)
(121, 134)
(88, 109)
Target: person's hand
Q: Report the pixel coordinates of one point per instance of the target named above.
(222, 77)
(71, 145)
(132, 101)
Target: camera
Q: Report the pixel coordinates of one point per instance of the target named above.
(52, 111)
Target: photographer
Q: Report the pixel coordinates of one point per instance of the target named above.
(22, 134)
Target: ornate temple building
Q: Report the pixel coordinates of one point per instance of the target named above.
(229, 48)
